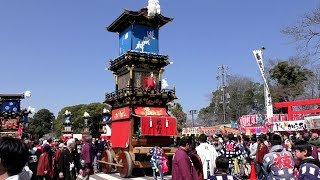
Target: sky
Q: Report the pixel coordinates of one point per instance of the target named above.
(59, 49)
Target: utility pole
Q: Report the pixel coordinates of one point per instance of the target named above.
(192, 112)
(222, 78)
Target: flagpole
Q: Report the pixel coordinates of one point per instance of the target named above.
(264, 84)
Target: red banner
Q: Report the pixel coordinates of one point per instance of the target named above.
(278, 117)
(249, 120)
(157, 125)
(120, 134)
(121, 113)
(150, 111)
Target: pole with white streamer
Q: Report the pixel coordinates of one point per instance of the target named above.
(258, 54)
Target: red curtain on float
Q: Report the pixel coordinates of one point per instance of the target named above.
(158, 125)
(120, 133)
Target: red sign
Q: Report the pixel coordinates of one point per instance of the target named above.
(278, 117)
(150, 111)
(121, 113)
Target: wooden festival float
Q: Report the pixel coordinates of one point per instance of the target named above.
(139, 105)
(13, 119)
(67, 132)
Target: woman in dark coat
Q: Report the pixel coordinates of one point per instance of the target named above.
(69, 162)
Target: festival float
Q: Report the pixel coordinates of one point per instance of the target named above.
(14, 119)
(139, 104)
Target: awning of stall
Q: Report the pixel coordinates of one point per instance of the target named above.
(155, 121)
(255, 130)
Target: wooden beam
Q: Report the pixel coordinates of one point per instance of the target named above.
(114, 164)
(297, 103)
(309, 111)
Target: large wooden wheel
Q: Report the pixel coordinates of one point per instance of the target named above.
(125, 160)
(106, 157)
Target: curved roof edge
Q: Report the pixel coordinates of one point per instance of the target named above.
(138, 17)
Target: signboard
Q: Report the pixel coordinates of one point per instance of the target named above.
(278, 117)
(192, 130)
(289, 126)
(209, 131)
(312, 122)
(248, 120)
(121, 113)
(150, 111)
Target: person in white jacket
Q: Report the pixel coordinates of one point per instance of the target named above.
(208, 156)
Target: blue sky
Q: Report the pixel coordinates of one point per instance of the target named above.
(59, 49)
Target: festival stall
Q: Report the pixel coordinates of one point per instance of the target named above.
(259, 124)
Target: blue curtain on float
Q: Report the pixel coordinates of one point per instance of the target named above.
(10, 106)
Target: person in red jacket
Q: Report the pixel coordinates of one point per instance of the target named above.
(45, 169)
(261, 151)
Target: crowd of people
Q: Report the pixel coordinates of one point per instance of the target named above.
(272, 156)
(22, 159)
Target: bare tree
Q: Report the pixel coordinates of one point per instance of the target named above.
(306, 31)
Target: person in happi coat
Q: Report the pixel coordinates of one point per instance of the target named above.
(87, 158)
(69, 162)
(45, 166)
(232, 152)
(208, 155)
(309, 167)
(182, 166)
(278, 164)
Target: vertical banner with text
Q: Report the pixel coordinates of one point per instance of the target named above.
(268, 101)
